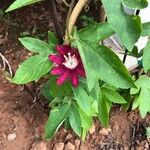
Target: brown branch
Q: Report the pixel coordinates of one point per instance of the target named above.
(57, 25)
(73, 17)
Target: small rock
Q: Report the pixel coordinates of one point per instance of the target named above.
(11, 136)
(84, 146)
(39, 146)
(77, 143)
(69, 136)
(140, 148)
(105, 131)
(92, 130)
(59, 146)
(70, 146)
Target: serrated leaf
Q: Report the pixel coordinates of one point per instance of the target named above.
(21, 3)
(86, 120)
(100, 30)
(128, 28)
(145, 29)
(56, 118)
(36, 45)
(143, 91)
(113, 96)
(82, 98)
(104, 64)
(75, 121)
(136, 4)
(52, 39)
(146, 57)
(32, 69)
(103, 110)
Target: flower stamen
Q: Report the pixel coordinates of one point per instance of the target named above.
(71, 62)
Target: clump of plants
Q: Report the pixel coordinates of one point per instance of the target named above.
(85, 77)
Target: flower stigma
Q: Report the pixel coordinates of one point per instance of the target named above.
(71, 62)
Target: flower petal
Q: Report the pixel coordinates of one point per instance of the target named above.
(57, 70)
(74, 79)
(80, 70)
(63, 77)
(55, 58)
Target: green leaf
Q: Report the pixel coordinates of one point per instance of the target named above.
(143, 91)
(127, 27)
(75, 121)
(113, 96)
(112, 69)
(148, 132)
(36, 45)
(86, 120)
(56, 118)
(103, 110)
(52, 39)
(32, 69)
(136, 4)
(146, 57)
(94, 93)
(21, 3)
(82, 98)
(145, 29)
(100, 30)
(104, 64)
(51, 89)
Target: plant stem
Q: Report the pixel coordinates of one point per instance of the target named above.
(57, 25)
(73, 17)
(68, 16)
(125, 56)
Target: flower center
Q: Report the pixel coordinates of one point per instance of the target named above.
(70, 61)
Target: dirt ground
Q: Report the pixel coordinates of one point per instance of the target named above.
(22, 119)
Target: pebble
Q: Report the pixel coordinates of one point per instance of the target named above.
(69, 136)
(59, 146)
(77, 143)
(70, 146)
(105, 131)
(92, 130)
(39, 146)
(11, 136)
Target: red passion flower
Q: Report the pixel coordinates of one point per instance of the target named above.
(67, 64)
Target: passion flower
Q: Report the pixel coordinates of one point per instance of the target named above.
(67, 64)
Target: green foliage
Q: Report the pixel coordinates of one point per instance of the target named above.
(75, 120)
(120, 21)
(21, 3)
(103, 110)
(113, 96)
(105, 64)
(32, 69)
(86, 121)
(107, 96)
(146, 29)
(148, 132)
(52, 39)
(56, 118)
(136, 4)
(52, 90)
(36, 66)
(82, 98)
(146, 57)
(87, 20)
(36, 45)
(107, 80)
(142, 95)
(101, 31)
